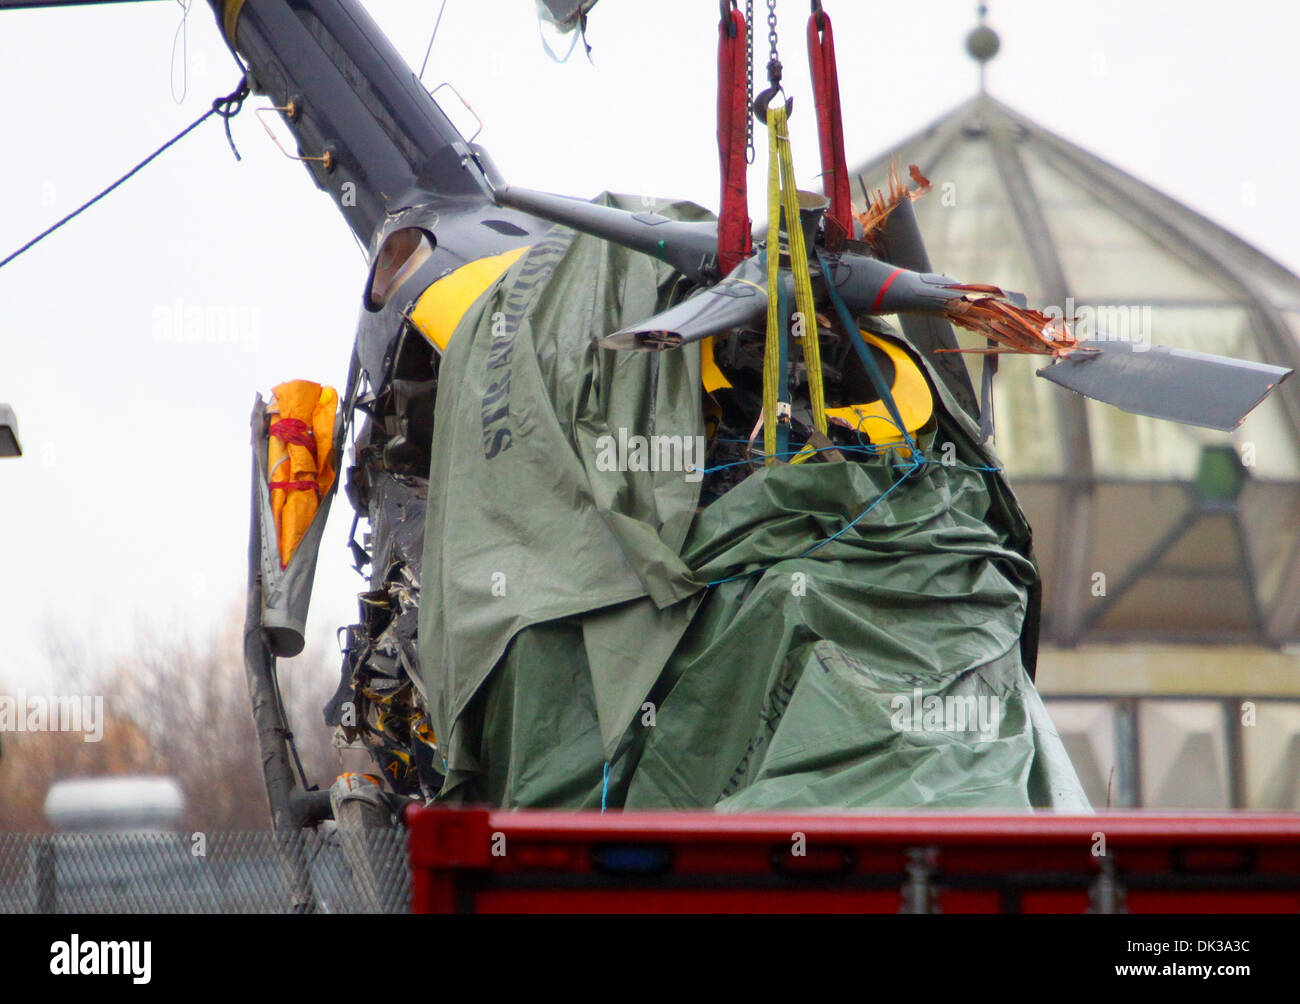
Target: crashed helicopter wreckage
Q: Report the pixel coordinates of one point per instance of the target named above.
(546, 628)
(841, 614)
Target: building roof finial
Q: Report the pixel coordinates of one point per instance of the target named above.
(983, 43)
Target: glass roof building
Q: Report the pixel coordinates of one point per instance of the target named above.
(1170, 554)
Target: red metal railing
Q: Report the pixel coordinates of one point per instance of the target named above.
(480, 860)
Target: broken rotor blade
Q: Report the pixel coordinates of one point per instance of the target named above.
(867, 285)
(740, 298)
(1179, 385)
(871, 286)
(687, 247)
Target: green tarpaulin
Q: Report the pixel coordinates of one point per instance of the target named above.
(587, 635)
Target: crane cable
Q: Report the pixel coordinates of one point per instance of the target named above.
(227, 108)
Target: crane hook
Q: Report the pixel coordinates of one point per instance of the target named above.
(765, 98)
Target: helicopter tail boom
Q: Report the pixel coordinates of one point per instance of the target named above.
(366, 128)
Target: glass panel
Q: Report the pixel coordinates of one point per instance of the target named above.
(1211, 547)
(1025, 423)
(1128, 520)
(1183, 755)
(1039, 500)
(1271, 518)
(1180, 607)
(1268, 438)
(1087, 729)
(1105, 255)
(970, 229)
(1270, 756)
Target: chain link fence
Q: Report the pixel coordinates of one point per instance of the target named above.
(248, 872)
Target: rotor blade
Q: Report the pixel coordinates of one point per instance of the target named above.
(740, 298)
(900, 243)
(687, 247)
(1175, 384)
(871, 286)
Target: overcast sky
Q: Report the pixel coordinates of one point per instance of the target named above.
(130, 505)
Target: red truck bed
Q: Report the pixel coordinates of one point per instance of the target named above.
(536, 861)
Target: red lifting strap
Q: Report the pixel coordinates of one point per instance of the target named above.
(830, 125)
(733, 117)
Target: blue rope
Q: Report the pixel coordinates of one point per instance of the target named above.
(227, 108)
(914, 464)
(869, 451)
(864, 353)
(911, 467)
(604, 787)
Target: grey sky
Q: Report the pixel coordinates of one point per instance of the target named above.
(132, 342)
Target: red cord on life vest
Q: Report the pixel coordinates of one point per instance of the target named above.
(734, 239)
(296, 486)
(830, 123)
(295, 431)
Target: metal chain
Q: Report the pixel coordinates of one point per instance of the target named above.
(774, 61)
(771, 29)
(749, 81)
